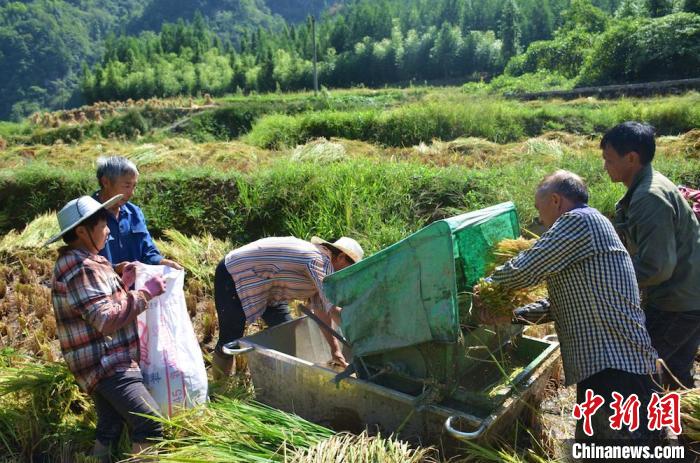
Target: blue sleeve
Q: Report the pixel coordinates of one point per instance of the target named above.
(149, 252)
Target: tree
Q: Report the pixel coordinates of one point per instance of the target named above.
(540, 23)
(645, 50)
(509, 28)
(632, 9)
(692, 6)
(582, 13)
(266, 77)
(443, 55)
(339, 35)
(658, 8)
(565, 54)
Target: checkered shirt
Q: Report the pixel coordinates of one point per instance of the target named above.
(593, 292)
(95, 317)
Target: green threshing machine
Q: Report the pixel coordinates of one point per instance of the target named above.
(422, 369)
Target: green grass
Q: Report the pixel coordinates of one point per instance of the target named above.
(505, 84)
(325, 189)
(232, 117)
(378, 203)
(431, 153)
(449, 115)
(390, 117)
(10, 129)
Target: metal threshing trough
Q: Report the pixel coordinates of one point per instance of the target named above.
(420, 368)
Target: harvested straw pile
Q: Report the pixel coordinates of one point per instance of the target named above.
(199, 255)
(320, 151)
(690, 414)
(34, 235)
(350, 448)
(42, 411)
(232, 430)
(498, 302)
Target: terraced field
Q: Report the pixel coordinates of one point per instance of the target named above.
(375, 165)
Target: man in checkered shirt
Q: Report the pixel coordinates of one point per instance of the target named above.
(594, 300)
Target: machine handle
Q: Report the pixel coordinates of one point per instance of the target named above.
(464, 436)
(233, 348)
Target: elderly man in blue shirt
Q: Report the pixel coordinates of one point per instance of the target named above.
(129, 239)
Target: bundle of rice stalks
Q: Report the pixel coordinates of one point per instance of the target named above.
(505, 250)
(690, 414)
(34, 235)
(497, 301)
(500, 454)
(350, 448)
(199, 255)
(546, 148)
(469, 151)
(41, 408)
(320, 151)
(232, 430)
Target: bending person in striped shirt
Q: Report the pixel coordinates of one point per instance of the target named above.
(255, 280)
(594, 300)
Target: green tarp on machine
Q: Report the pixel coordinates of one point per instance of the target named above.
(407, 294)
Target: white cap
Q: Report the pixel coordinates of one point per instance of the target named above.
(347, 246)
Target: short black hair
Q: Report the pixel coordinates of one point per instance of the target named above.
(567, 184)
(335, 252)
(632, 136)
(90, 223)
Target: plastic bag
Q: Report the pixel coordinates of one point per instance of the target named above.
(171, 360)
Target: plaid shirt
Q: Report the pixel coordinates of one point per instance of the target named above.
(95, 317)
(273, 270)
(593, 292)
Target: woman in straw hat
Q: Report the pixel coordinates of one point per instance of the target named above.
(96, 326)
(255, 280)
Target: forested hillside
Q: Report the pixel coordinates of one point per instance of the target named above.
(44, 42)
(164, 48)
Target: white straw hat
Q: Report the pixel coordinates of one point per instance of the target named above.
(348, 246)
(77, 210)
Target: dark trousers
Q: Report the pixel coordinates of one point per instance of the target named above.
(604, 383)
(117, 399)
(229, 310)
(675, 336)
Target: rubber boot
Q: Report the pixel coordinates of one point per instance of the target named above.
(221, 366)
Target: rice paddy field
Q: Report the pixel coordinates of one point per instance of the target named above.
(372, 164)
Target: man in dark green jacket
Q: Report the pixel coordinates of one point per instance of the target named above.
(662, 235)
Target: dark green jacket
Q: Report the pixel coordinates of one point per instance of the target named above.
(662, 235)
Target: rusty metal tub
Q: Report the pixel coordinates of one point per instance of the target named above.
(289, 371)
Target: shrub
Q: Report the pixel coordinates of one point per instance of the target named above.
(26, 192)
(645, 50)
(130, 124)
(66, 133)
(377, 202)
(565, 54)
(539, 81)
